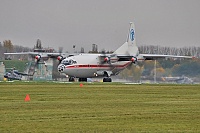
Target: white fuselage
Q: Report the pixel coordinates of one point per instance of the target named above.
(89, 65)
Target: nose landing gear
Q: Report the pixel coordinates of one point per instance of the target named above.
(71, 79)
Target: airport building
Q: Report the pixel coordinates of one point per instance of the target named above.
(2, 71)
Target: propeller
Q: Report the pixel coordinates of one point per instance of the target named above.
(37, 58)
(60, 58)
(134, 59)
(134, 62)
(106, 59)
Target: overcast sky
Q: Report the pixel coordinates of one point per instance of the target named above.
(63, 23)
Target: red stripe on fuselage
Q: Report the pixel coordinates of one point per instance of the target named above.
(96, 66)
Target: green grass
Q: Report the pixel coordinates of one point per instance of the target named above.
(56, 107)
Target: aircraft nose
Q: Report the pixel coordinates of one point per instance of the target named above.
(61, 68)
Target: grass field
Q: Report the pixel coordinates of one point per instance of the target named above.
(98, 107)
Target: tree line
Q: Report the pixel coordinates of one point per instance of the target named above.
(182, 51)
(163, 68)
(8, 47)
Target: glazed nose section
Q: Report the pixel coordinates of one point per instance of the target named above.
(61, 68)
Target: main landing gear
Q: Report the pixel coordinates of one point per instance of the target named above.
(82, 79)
(107, 78)
(72, 79)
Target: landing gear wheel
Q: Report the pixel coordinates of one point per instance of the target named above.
(107, 79)
(82, 79)
(71, 79)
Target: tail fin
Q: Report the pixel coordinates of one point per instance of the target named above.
(129, 48)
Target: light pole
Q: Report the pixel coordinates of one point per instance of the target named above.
(155, 50)
(155, 71)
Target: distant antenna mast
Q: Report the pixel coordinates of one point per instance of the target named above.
(74, 46)
(38, 44)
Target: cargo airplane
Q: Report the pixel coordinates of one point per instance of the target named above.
(85, 66)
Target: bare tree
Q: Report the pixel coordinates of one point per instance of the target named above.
(184, 51)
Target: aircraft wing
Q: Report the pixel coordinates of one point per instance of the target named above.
(158, 56)
(42, 54)
(20, 53)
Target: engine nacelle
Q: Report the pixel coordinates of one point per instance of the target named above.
(134, 59)
(106, 59)
(37, 57)
(60, 58)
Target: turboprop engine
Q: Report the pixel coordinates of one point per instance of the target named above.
(106, 59)
(134, 59)
(60, 58)
(37, 58)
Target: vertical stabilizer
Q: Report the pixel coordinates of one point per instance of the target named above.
(129, 48)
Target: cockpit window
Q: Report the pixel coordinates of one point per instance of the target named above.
(68, 62)
(65, 62)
